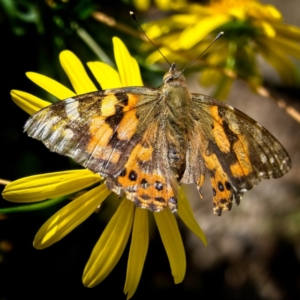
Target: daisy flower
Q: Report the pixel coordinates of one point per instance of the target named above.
(252, 30)
(127, 220)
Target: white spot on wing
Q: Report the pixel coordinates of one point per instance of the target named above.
(71, 107)
(263, 158)
(68, 134)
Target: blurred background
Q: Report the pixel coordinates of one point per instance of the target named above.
(253, 251)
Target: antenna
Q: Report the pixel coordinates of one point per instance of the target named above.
(140, 27)
(220, 34)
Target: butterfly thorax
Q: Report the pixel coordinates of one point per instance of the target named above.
(175, 92)
(176, 108)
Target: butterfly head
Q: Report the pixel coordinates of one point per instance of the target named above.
(173, 77)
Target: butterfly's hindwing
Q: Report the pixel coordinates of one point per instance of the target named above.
(238, 153)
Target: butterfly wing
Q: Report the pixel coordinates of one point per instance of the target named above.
(116, 133)
(237, 151)
(98, 130)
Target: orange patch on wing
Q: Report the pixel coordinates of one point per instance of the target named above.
(106, 153)
(215, 114)
(132, 102)
(115, 156)
(139, 153)
(108, 105)
(200, 183)
(101, 134)
(128, 125)
(210, 161)
(244, 166)
(213, 164)
(201, 180)
(237, 171)
(221, 138)
(147, 195)
(147, 190)
(218, 131)
(125, 181)
(96, 123)
(163, 195)
(223, 197)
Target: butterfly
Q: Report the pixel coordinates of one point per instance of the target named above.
(146, 142)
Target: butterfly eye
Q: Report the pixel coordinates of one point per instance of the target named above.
(173, 76)
(168, 77)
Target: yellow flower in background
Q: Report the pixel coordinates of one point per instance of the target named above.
(251, 29)
(144, 5)
(127, 219)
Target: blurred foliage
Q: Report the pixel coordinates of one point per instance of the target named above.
(48, 27)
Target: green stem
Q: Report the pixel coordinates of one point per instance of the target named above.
(86, 37)
(230, 62)
(224, 84)
(32, 207)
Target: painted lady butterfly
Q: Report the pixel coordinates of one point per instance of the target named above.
(146, 142)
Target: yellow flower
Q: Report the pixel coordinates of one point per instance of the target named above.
(127, 219)
(251, 29)
(143, 5)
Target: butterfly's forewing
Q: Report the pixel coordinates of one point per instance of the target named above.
(98, 130)
(238, 152)
(116, 133)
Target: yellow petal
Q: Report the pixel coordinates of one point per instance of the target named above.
(40, 187)
(169, 5)
(237, 13)
(128, 67)
(141, 5)
(271, 12)
(287, 31)
(29, 103)
(223, 87)
(74, 69)
(110, 246)
(155, 29)
(53, 87)
(135, 73)
(69, 217)
(106, 75)
(286, 46)
(185, 213)
(137, 252)
(184, 20)
(156, 56)
(209, 77)
(194, 34)
(175, 23)
(280, 62)
(268, 29)
(172, 241)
